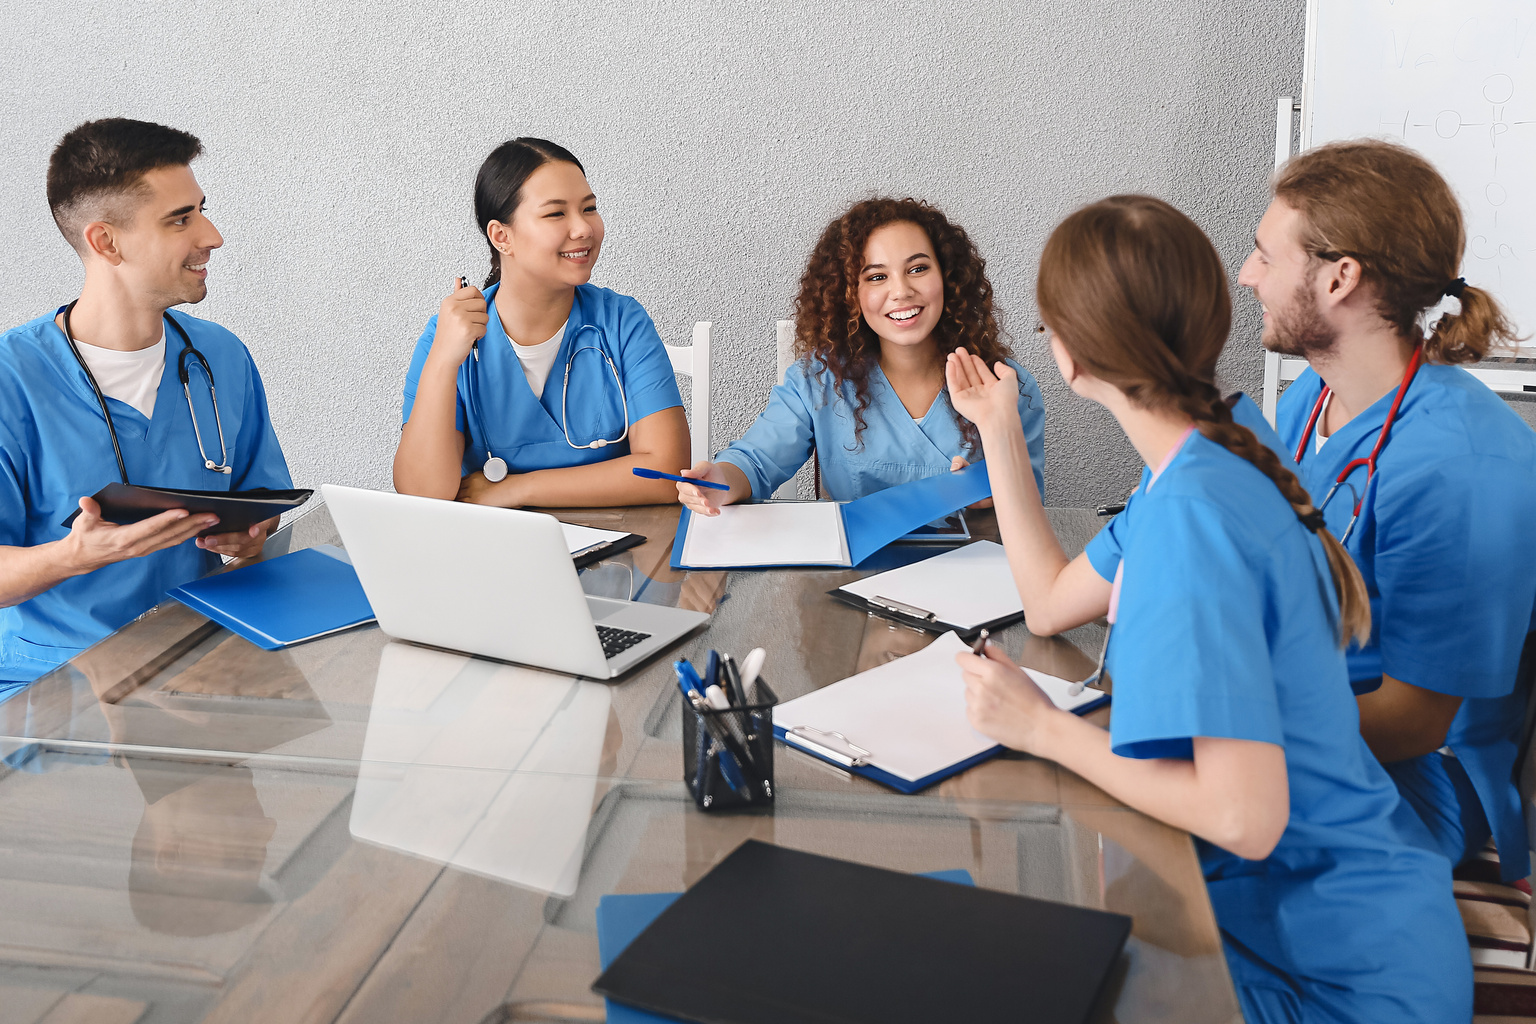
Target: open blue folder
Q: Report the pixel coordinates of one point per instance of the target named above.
(283, 601)
(621, 919)
(869, 523)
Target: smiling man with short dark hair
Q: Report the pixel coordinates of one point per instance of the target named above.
(85, 400)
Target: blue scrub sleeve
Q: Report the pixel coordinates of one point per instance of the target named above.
(1453, 553)
(413, 378)
(1105, 549)
(1189, 654)
(13, 498)
(779, 441)
(1032, 416)
(262, 461)
(649, 382)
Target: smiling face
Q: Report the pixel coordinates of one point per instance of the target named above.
(160, 249)
(1284, 278)
(901, 288)
(556, 232)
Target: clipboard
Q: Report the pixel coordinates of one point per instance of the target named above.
(833, 534)
(902, 724)
(590, 545)
(964, 584)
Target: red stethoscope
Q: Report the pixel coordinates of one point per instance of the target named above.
(1369, 462)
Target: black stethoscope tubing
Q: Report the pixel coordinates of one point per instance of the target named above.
(187, 348)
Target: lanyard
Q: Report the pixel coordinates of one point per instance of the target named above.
(1369, 461)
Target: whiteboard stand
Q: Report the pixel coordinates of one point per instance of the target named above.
(1279, 369)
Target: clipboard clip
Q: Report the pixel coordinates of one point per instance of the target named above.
(831, 745)
(911, 611)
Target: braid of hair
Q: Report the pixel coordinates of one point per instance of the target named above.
(1202, 402)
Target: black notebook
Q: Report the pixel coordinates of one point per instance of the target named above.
(238, 511)
(772, 936)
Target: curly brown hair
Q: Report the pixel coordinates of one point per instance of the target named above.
(830, 329)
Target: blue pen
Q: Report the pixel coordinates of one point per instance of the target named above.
(693, 692)
(711, 670)
(656, 474)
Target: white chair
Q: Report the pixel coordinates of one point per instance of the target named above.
(693, 360)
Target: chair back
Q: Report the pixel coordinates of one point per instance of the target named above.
(693, 361)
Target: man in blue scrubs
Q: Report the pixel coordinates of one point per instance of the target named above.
(1361, 240)
(123, 194)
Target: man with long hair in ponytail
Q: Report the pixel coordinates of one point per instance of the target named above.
(1361, 241)
(1229, 608)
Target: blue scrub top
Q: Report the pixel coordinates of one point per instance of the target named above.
(526, 431)
(1446, 546)
(811, 414)
(1227, 626)
(55, 449)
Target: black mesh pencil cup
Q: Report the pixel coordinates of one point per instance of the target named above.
(728, 754)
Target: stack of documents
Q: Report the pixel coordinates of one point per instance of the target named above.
(966, 590)
(904, 723)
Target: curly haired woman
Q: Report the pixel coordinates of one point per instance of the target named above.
(890, 290)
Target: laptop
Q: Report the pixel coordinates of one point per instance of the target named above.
(494, 582)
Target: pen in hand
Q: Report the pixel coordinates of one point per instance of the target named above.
(981, 644)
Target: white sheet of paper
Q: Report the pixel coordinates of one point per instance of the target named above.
(1056, 689)
(964, 587)
(580, 538)
(909, 713)
(767, 533)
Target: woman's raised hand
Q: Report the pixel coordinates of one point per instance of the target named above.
(461, 321)
(704, 501)
(988, 398)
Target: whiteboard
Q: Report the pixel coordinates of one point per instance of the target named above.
(1456, 80)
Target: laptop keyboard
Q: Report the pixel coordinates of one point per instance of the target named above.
(617, 641)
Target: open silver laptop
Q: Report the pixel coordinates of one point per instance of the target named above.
(492, 581)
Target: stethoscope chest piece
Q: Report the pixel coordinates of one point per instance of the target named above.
(495, 469)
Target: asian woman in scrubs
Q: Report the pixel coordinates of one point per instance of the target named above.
(1229, 607)
(542, 388)
(891, 288)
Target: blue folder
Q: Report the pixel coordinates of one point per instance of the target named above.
(283, 601)
(621, 919)
(875, 520)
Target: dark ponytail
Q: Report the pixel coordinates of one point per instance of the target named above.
(1468, 336)
(1137, 294)
(499, 185)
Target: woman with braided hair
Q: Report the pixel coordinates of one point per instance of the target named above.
(1230, 605)
(891, 288)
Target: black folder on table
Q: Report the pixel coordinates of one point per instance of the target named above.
(238, 511)
(773, 935)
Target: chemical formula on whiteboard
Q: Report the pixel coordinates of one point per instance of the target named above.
(1457, 82)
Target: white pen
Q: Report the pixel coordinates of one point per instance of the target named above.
(751, 667)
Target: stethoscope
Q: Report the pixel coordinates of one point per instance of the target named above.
(495, 468)
(1369, 462)
(187, 349)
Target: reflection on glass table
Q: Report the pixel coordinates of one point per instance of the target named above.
(534, 742)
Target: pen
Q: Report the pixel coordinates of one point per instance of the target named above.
(981, 644)
(475, 348)
(656, 474)
(711, 671)
(691, 685)
(1112, 510)
(751, 668)
(732, 681)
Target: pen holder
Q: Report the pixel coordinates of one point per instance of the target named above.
(751, 728)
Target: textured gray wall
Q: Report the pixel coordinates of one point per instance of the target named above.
(342, 145)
